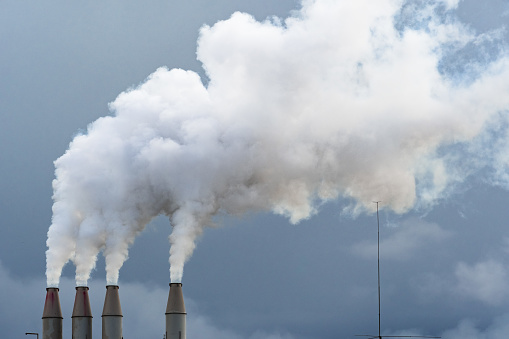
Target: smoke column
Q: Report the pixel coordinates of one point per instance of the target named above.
(350, 99)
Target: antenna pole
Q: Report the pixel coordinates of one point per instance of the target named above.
(378, 248)
(379, 336)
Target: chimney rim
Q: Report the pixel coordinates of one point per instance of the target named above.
(111, 315)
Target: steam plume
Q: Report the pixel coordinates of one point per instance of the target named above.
(352, 99)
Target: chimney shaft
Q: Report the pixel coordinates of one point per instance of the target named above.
(82, 315)
(52, 315)
(112, 314)
(175, 313)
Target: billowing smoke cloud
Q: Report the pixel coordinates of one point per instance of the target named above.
(354, 99)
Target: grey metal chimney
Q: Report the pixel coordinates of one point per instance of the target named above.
(81, 315)
(112, 314)
(175, 313)
(52, 315)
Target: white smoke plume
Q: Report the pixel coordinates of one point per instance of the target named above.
(351, 99)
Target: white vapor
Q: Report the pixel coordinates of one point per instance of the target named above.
(338, 100)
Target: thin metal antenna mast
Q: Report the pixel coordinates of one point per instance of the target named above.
(379, 336)
(378, 258)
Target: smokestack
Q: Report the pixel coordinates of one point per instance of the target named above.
(175, 313)
(52, 315)
(81, 315)
(112, 314)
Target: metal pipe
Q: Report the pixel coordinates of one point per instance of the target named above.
(112, 314)
(81, 315)
(175, 313)
(51, 316)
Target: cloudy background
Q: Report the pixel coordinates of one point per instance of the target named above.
(444, 272)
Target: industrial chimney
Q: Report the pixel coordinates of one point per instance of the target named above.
(112, 314)
(175, 313)
(52, 315)
(81, 315)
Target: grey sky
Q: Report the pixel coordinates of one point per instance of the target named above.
(444, 272)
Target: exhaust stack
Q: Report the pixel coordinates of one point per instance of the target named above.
(112, 314)
(52, 315)
(81, 315)
(175, 313)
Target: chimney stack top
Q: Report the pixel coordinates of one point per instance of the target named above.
(82, 303)
(175, 300)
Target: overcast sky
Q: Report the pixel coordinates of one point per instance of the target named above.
(444, 268)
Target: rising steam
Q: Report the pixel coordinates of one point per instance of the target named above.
(354, 99)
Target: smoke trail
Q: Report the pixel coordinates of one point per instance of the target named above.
(349, 99)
